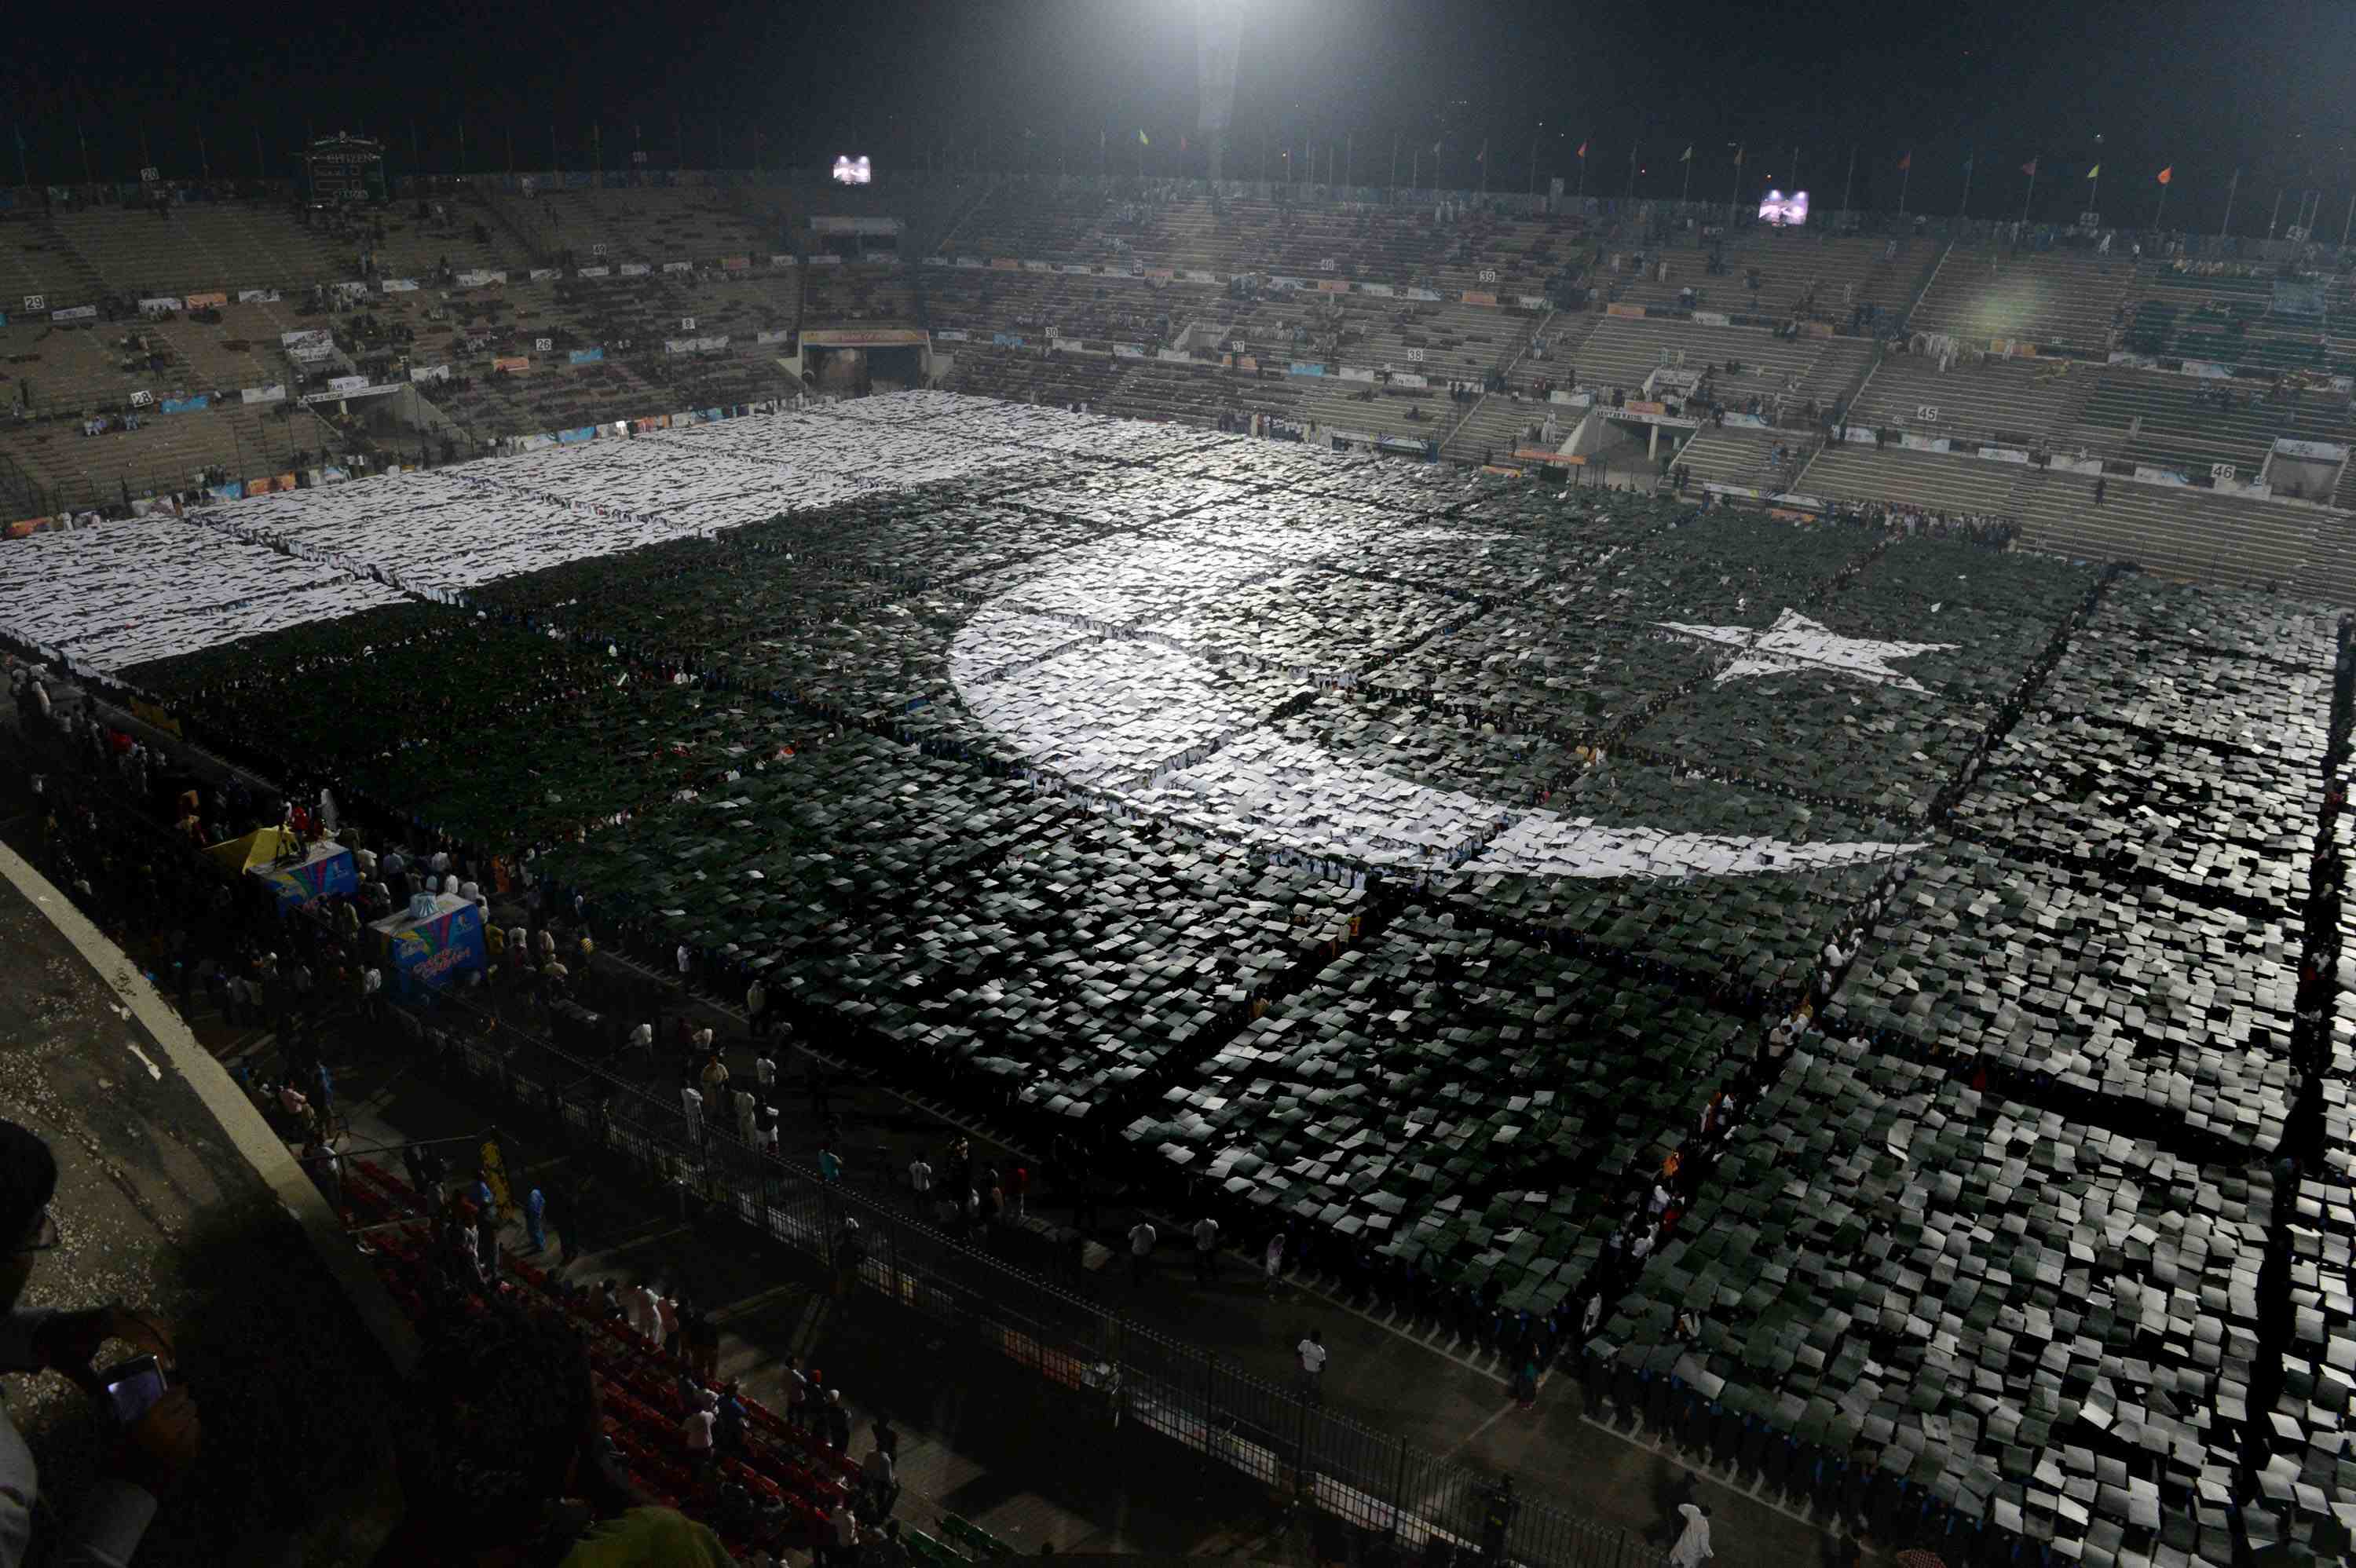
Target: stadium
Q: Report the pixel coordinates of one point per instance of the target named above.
(1703, 825)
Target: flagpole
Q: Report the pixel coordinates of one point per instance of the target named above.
(2351, 223)
(2275, 215)
(1414, 167)
(1684, 197)
(1735, 195)
(1349, 158)
(1848, 180)
(2160, 210)
(1632, 171)
(2230, 186)
(1394, 184)
(1582, 174)
(2094, 189)
(1965, 210)
(1906, 176)
(2032, 191)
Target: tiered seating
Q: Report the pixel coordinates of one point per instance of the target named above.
(415, 247)
(1444, 341)
(1624, 350)
(2045, 298)
(1043, 304)
(1021, 376)
(1735, 456)
(88, 366)
(2330, 569)
(1374, 410)
(2179, 433)
(653, 224)
(793, 1475)
(1195, 394)
(2026, 398)
(1501, 424)
(1033, 220)
(240, 350)
(628, 319)
(1835, 370)
(204, 246)
(857, 292)
(2177, 532)
(2226, 319)
(36, 260)
(165, 451)
(1856, 473)
(1829, 275)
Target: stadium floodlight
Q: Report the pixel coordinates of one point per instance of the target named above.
(849, 170)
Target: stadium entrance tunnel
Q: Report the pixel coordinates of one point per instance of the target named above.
(830, 364)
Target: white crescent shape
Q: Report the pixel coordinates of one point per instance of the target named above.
(1174, 744)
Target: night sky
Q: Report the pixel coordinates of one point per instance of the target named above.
(2205, 87)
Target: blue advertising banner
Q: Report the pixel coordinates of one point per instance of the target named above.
(186, 405)
(327, 876)
(426, 956)
(588, 356)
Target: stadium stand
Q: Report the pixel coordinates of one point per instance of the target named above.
(1735, 454)
(1815, 276)
(35, 259)
(1984, 294)
(859, 292)
(1851, 472)
(204, 246)
(1746, 365)
(652, 224)
(2174, 422)
(1499, 424)
(2228, 318)
(2179, 532)
(169, 452)
(2032, 400)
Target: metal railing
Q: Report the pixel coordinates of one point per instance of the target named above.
(1282, 1436)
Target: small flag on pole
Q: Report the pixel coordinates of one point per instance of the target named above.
(1967, 163)
(1181, 141)
(1688, 154)
(1141, 141)
(1738, 157)
(2096, 173)
(1906, 163)
(2167, 173)
(1483, 155)
(2029, 168)
(1583, 149)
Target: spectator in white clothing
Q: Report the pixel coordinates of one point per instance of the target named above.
(1692, 1549)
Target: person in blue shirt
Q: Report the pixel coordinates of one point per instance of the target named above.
(535, 1208)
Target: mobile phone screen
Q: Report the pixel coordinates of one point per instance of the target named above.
(133, 1393)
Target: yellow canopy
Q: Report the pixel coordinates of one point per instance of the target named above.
(258, 847)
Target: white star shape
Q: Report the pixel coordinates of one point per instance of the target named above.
(1796, 643)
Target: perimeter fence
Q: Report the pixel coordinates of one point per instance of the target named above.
(1279, 1434)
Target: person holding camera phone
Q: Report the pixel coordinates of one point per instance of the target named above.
(156, 1423)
